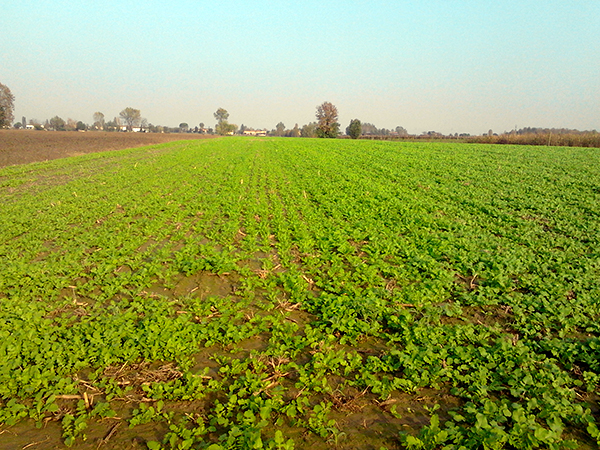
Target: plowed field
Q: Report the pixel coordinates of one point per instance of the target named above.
(22, 147)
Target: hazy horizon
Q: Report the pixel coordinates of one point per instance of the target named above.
(451, 67)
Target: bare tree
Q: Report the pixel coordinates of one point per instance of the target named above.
(71, 124)
(99, 120)
(132, 117)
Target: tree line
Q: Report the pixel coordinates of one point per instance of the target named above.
(326, 125)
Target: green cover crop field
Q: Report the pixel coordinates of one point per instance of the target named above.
(298, 293)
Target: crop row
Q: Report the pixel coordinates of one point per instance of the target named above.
(244, 293)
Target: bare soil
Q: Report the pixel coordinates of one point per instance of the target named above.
(26, 146)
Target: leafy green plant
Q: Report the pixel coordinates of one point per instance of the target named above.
(252, 281)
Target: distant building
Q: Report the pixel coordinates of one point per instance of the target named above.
(255, 132)
(134, 129)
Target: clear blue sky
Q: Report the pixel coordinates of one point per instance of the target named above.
(448, 66)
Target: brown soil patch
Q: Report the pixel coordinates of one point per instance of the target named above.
(108, 434)
(26, 146)
(202, 284)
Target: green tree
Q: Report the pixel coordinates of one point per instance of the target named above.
(221, 115)
(327, 125)
(132, 117)
(57, 124)
(309, 130)
(7, 106)
(223, 127)
(280, 129)
(112, 125)
(369, 129)
(295, 132)
(353, 130)
(80, 126)
(401, 131)
(183, 127)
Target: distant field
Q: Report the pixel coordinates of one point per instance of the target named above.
(299, 293)
(25, 146)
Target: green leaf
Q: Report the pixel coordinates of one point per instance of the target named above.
(153, 445)
(592, 429)
(542, 434)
